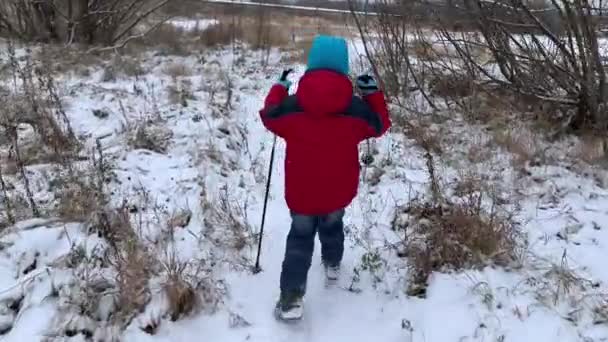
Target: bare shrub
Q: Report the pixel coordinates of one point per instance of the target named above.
(425, 137)
(34, 121)
(548, 51)
(226, 220)
(34, 101)
(559, 64)
(257, 32)
(76, 21)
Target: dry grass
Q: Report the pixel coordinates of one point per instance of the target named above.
(134, 267)
(182, 298)
(454, 236)
(122, 66)
(179, 41)
(176, 70)
(33, 121)
(297, 52)
(600, 310)
(226, 221)
(451, 86)
(113, 225)
(521, 143)
(424, 50)
(167, 38)
(81, 193)
(590, 148)
(150, 134)
(181, 294)
(180, 92)
(422, 134)
(77, 200)
(61, 59)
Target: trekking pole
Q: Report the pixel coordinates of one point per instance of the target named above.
(257, 268)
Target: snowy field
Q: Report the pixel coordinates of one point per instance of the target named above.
(217, 151)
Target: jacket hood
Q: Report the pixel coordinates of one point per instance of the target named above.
(324, 92)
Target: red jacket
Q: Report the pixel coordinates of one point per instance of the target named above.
(322, 125)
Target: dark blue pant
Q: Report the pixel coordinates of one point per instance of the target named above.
(301, 242)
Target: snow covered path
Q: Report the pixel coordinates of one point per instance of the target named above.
(331, 314)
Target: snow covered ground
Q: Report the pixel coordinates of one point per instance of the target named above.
(218, 151)
(189, 24)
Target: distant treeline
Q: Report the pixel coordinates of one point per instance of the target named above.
(455, 14)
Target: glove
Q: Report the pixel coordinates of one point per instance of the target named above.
(366, 84)
(283, 79)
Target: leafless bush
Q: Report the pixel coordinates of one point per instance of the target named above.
(76, 21)
(34, 101)
(34, 121)
(387, 42)
(226, 220)
(546, 51)
(558, 66)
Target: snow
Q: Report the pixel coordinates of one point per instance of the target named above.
(476, 305)
(301, 8)
(190, 25)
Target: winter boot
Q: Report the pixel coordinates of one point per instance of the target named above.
(290, 306)
(332, 274)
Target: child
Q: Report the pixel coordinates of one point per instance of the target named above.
(322, 125)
